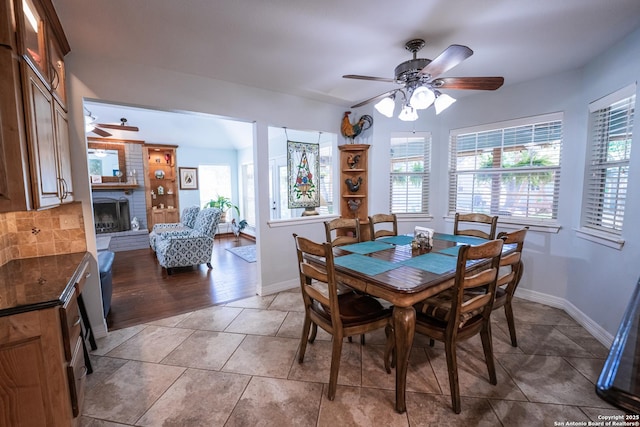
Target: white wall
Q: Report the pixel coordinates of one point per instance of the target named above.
(591, 281)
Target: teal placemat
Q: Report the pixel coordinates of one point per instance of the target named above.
(364, 264)
(453, 250)
(366, 247)
(460, 239)
(433, 262)
(397, 240)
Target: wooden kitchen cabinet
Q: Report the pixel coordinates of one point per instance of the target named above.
(34, 380)
(41, 355)
(42, 142)
(14, 160)
(35, 168)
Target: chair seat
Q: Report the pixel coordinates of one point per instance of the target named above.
(355, 309)
(438, 307)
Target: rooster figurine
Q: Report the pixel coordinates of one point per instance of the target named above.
(350, 130)
(354, 204)
(352, 161)
(237, 228)
(353, 186)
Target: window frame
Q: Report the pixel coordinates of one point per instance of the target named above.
(540, 224)
(424, 176)
(597, 165)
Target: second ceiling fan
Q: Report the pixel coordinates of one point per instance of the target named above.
(421, 81)
(98, 128)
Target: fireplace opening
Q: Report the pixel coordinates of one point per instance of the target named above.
(111, 215)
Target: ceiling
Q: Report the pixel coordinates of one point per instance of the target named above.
(186, 129)
(304, 47)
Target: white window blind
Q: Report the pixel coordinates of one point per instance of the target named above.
(410, 170)
(606, 177)
(507, 169)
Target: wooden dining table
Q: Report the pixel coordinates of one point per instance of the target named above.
(389, 268)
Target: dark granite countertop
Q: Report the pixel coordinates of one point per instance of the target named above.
(36, 283)
(619, 381)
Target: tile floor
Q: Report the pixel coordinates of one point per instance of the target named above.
(235, 365)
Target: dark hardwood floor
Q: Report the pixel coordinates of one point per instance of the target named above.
(142, 290)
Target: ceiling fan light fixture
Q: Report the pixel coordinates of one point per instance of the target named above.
(422, 98)
(386, 106)
(442, 102)
(408, 114)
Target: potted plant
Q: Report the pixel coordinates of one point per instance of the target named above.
(224, 204)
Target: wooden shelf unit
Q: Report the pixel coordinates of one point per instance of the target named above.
(164, 207)
(354, 168)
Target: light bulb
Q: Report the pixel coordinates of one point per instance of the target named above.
(386, 106)
(422, 98)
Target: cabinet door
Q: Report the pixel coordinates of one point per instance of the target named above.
(157, 217)
(32, 30)
(14, 190)
(7, 25)
(64, 154)
(33, 381)
(42, 142)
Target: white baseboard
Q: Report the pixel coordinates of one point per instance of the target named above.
(278, 287)
(604, 337)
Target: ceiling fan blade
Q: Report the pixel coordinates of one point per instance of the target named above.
(375, 79)
(118, 127)
(449, 58)
(477, 83)
(366, 101)
(100, 132)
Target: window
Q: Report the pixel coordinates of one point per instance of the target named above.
(507, 169)
(215, 180)
(410, 169)
(248, 191)
(605, 189)
(278, 176)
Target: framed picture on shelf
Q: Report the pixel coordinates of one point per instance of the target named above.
(188, 178)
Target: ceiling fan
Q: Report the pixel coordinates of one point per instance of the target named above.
(421, 82)
(98, 128)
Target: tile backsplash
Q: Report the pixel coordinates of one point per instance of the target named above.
(54, 231)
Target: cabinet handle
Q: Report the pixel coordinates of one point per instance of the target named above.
(55, 82)
(85, 370)
(77, 322)
(63, 185)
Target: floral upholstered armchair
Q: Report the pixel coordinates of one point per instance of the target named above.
(189, 247)
(187, 220)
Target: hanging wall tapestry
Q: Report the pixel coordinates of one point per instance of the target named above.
(303, 175)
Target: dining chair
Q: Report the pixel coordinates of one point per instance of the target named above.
(342, 231)
(455, 315)
(341, 314)
(511, 269)
(389, 227)
(466, 220)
